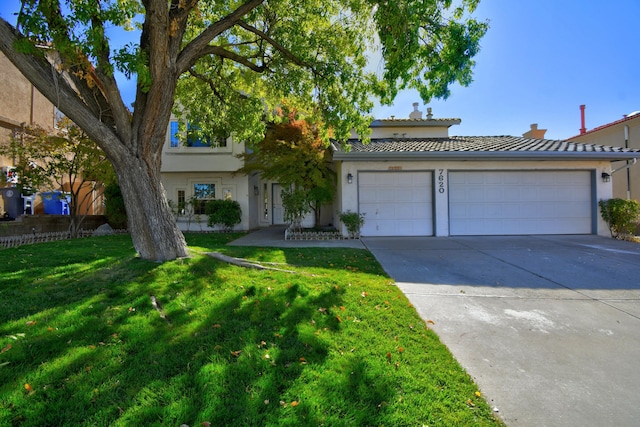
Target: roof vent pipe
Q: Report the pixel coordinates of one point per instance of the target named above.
(582, 129)
(415, 114)
(429, 113)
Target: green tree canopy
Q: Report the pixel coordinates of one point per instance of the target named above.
(294, 153)
(228, 63)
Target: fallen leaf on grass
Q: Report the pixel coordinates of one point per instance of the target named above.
(322, 310)
(303, 361)
(295, 403)
(30, 323)
(28, 387)
(6, 348)
(389, 356)
(400, 349)
(338, 319)
(470, 403)
(236, 353)
(49, 328)
(206, 424)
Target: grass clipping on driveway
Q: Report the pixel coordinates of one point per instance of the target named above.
(83, 342)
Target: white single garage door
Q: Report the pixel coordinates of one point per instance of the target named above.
(519, 202)
(396, 203)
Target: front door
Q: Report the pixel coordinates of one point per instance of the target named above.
(277, 209)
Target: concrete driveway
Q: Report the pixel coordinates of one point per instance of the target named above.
(548, 326)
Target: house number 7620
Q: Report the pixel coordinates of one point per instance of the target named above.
(440, 180)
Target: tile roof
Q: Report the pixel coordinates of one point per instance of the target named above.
(393, 122)
(478, 146)
(596, 129)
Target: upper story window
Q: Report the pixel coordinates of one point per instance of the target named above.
(173, 131)
(196, 138)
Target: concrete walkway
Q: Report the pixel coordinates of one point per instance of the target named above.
(548, 326)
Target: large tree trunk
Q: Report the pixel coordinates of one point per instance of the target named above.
(153, 228)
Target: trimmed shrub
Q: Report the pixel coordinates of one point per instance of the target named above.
(224, 213)
(621, 215)
(353, 221)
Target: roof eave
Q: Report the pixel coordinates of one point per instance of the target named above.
(415, 123)
(483, 155)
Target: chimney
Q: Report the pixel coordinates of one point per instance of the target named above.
(582, 129)
(415, 114)
(534, 132)
(429, 114)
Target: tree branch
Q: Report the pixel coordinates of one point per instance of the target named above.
(193, 50)
(286, 52)
(106, 82)
(57, 90)
(217, 50)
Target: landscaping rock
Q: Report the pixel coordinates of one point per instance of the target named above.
(103, 230)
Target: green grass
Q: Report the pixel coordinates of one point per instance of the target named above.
(336, 344)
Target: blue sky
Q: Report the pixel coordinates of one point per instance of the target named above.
(539, 61)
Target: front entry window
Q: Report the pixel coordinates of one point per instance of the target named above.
(202, 193)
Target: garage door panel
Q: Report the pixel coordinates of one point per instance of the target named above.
(520, 202)
(396, 203)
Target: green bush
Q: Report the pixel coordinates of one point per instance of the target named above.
(114, 209)
(621, 215)
(225, 213)
(353, 221)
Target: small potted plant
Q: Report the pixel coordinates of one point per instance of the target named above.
(353, 221)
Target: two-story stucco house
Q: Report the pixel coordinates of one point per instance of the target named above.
(625, 132)
(413, 179)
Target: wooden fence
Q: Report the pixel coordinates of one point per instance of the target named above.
(28, 239)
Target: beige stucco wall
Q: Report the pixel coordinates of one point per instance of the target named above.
(614, 136)
(19, 100)
(225, 183)
(348, 193)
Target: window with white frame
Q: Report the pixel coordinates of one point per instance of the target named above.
(202, 193)
(196, 138)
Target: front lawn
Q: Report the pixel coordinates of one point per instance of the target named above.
(334, 343)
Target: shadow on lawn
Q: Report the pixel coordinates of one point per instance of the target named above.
(99, 353)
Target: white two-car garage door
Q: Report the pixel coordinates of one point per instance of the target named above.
(520, 202)
(396, 203)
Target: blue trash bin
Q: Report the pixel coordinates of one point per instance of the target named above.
(53, 202)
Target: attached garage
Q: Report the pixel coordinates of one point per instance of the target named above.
(439, 185)
(520, 202)
(396, 203)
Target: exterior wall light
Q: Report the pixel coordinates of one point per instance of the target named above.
(606, 177)
(349, 178)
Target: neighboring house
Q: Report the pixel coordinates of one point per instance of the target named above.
(413, 179)
(21, 104)
(621, 133)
